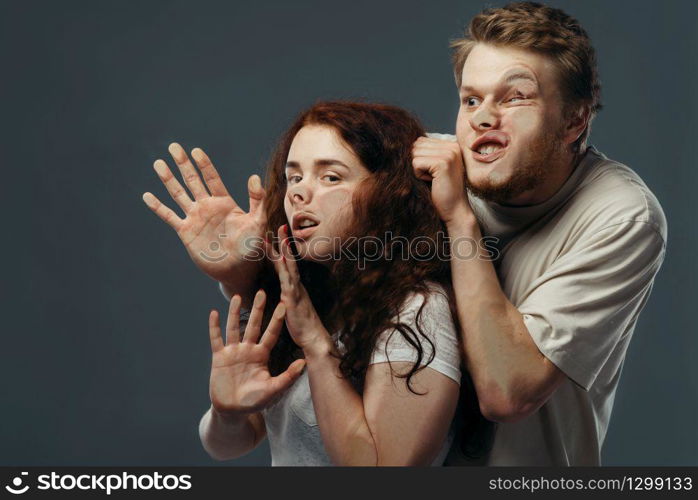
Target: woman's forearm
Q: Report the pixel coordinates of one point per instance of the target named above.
(228, 437)
(339, 410)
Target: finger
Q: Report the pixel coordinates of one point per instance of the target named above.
(209, 173)
(179, 195)
(256, 193)
(189, 173)
(165, 213)
(435, 142)
(232, 326)
(254, 325)
(422, 142)
(431, 152)
(272, 255)
(282, 270)
(422, 168)
(284, 380)
(289, 258)
(214, 331)
(271, 335)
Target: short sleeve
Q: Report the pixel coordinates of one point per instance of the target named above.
(589, 299)
(437, 323)
(224, 292)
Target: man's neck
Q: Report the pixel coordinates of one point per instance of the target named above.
(551, 185)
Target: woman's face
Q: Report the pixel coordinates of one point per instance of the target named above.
(322, 173)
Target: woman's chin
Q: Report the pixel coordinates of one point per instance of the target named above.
(313, 253)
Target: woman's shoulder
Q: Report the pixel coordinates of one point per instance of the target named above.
(435, 332)
(435, 303)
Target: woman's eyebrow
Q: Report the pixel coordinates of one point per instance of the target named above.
(322, 162)
(330, 161)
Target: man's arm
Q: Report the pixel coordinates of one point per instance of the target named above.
(518, 356)
(511, 376)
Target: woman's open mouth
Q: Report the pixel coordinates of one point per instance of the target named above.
(304, 225)
(304, 232)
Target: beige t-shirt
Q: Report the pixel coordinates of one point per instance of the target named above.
(580, 268)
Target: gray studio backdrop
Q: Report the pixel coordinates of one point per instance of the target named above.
(105, 356)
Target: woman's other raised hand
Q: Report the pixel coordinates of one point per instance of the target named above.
(240, 381)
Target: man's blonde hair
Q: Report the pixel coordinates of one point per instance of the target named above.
(547, 31)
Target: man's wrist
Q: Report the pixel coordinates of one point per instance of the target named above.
(462, 222)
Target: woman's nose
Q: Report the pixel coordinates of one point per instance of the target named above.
(299, 193)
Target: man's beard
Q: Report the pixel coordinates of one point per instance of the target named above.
(530, 173)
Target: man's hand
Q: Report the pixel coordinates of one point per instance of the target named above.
(222, 239)
(441, 162)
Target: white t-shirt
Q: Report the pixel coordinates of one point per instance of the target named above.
(292, 428)
(580, 268)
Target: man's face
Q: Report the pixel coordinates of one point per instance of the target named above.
(510, 124)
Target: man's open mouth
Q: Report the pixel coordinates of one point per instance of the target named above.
(490, 146)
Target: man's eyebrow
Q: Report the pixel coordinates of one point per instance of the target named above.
(517, 75)
(521, 75)
(322, 162)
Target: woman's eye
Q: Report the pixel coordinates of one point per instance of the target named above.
(331, 178)
(293, 179)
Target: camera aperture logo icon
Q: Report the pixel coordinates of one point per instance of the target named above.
(17, 483)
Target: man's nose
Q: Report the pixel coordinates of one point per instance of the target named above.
(485, 118)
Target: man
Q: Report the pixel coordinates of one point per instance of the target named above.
(545, 326)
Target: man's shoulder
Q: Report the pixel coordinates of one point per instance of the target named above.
(612, 193)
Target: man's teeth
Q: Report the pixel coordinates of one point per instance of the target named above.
(487, 149)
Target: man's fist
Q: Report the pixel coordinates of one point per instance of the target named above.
(441, 162)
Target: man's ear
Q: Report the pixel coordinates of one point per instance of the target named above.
(577, 122)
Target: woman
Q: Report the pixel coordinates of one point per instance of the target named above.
(375, 335)
(356, 291)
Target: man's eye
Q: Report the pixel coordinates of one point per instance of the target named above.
(471, 101)
(517, 97)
